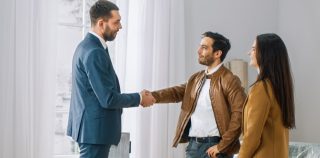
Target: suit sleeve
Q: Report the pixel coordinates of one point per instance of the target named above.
(257, 107)
(99, 72)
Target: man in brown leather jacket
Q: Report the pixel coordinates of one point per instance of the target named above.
(211, 110)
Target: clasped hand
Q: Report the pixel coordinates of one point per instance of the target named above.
(147, 98)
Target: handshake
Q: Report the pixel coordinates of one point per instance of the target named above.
(147, 98)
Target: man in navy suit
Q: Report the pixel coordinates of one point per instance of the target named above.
(96, 101)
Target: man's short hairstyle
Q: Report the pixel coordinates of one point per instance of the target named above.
(219, 43)
(101, 9)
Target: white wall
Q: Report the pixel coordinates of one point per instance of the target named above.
(240, 21)
(299, 23)
(296, 21)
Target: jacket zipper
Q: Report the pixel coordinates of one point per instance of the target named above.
(214, 114)
(193, 107)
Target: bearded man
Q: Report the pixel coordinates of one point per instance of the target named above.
(96, 100)
(212, 100)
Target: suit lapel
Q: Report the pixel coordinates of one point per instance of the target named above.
(115, 75)
(93, 38)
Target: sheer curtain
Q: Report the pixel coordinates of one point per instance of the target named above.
(149, 54)
(27, 78)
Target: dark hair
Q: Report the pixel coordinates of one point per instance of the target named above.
(274, 64)
(101, 9)
(219, 43)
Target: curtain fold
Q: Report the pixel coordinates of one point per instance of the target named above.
(27, 78)
(150, 55)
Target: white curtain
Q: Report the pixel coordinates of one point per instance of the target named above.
(27, 73)
(149, 54)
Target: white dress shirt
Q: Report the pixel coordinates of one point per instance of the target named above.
(203, 122)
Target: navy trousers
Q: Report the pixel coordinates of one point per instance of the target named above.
(94, 150)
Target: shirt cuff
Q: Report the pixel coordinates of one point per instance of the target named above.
(140, 98)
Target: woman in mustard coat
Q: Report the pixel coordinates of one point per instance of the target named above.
(268, 112)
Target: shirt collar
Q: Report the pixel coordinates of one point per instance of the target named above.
(213, 70)
(103, 42)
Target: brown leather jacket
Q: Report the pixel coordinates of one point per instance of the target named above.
(227, 97)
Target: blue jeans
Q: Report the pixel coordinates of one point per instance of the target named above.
(199, 150)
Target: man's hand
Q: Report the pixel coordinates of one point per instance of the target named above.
(147, 98)
(213, 151)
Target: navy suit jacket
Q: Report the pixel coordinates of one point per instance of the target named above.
(96, 101)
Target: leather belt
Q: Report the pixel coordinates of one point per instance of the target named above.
(205, 139)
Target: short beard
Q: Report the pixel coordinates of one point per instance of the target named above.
(206, 61)
(108, 37)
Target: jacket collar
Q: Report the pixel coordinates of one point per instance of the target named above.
(215, 74)
(102, 41)
(95, 39)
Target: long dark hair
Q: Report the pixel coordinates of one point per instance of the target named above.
(274, 64)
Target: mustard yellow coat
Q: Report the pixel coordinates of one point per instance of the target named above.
(264, 135)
